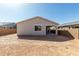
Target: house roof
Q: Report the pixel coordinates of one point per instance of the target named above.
(70, 23)
(7, 24)
(41, 18)
(3, 23)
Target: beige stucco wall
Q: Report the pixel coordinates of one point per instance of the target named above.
(27, 27)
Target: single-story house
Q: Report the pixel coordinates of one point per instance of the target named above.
(69, 25)
(37, 26)
(7, 25)
(70, 29)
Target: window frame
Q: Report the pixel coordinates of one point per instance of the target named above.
(39, 28)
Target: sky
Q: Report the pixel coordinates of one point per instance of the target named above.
(58, 12)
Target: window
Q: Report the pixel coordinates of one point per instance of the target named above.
(38, 28)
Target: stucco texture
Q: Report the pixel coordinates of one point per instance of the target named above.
(28, 27)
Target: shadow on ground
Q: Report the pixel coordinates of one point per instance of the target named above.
(46, 38)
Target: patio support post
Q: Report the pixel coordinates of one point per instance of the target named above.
(56, 33)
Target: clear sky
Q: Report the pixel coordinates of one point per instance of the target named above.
(61, 13)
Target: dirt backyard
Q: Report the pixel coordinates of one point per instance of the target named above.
(34, 46)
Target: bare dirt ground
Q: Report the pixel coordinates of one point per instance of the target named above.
(34, 46)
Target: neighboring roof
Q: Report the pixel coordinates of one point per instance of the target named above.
(41, 18)
(3, 23)
(10, 25)
(70, 23)
(7, 24)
